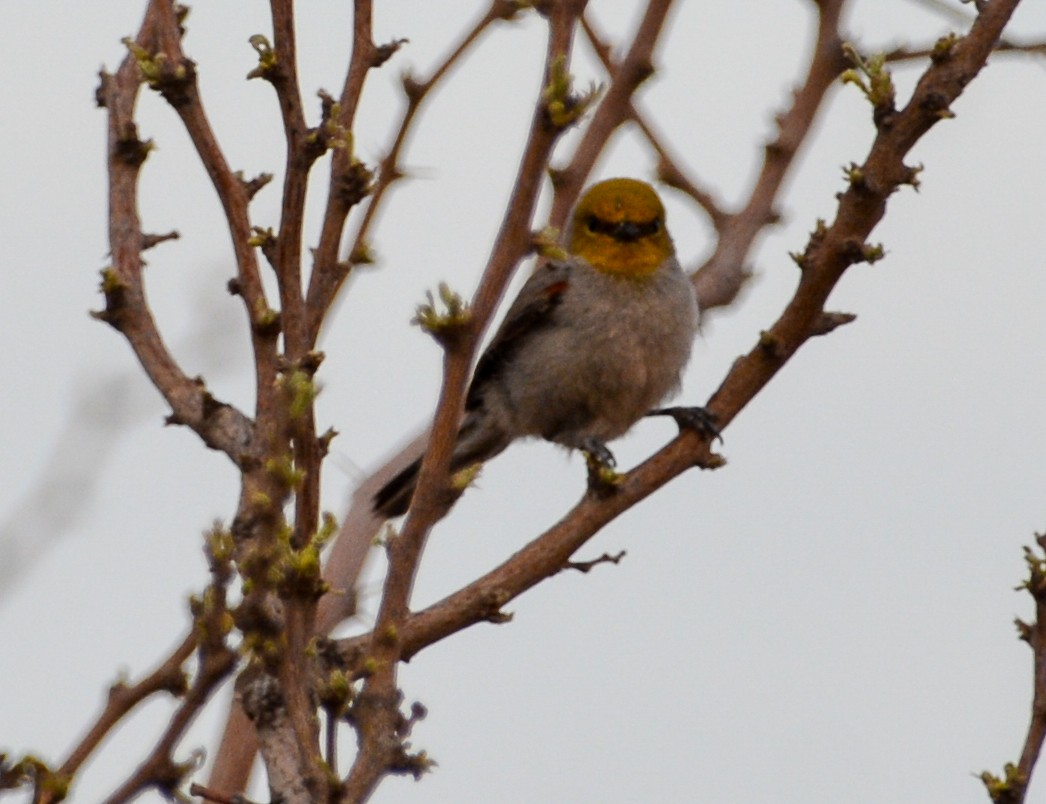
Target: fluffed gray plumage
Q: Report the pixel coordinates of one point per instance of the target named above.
(589, 346)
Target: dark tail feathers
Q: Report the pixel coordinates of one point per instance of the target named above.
(476, 443)
(393, 499)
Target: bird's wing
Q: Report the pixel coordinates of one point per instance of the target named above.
(531, 311)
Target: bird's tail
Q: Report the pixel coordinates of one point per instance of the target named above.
(393, 499)
(475, 444)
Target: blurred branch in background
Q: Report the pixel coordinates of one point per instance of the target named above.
(102, 412)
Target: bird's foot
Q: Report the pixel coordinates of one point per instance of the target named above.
(597, 452)
(692, 418)
(601, 462)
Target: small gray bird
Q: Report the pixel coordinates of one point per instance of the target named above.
(590, 346)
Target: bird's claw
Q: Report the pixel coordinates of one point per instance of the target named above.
(692, 418)
(602, 479)
(597, 453)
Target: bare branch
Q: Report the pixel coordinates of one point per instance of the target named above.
(215, 661)
(586, 566)
(168, 677)
(330, 273)
(919, 53)
(350, 181)
(151, 240)
(719, 280)
(834, 248)
(829, 322)
(1013, 786)
(181, 91)
(303, 148)
(220, 425)
(668, 168)
(159, 770)
(613, 110)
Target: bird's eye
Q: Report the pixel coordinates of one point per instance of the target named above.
(592, 223)
(654, 226)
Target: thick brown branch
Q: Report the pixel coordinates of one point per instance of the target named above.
(547, 555)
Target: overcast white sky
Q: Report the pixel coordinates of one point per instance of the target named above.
(828, 618)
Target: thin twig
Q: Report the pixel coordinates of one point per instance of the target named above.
(613, 110)
(168, 677)
(300, 154)
(345, 189)
(233, 193)
(920, 53)
(220, 425)
(668, 168)
(326, 281)
(1012, 787)
(215, 661)
(719, 280)
(159, 769)
(1036, 638)
(585, 567)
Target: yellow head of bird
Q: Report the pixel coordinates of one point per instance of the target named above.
(618, 226)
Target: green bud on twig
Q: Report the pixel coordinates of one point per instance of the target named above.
(444, 319)
(871, 77)
(267, 62)
(563, 106)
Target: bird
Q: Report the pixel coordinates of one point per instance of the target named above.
(592, 343)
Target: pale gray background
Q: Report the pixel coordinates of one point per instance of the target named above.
(826, 619)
